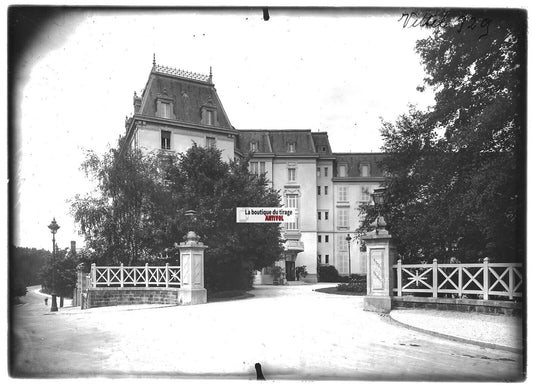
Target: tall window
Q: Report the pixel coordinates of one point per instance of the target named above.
(253, 167)
(210, 117)
(292, 174)
(165, 139)
(320, 239)
(343, 217)
(326, 238)
(342, 170)
(253, 146)
(318, 171)
(165, 109)
(292, 147)
(210, 142)
(262, 167)
(326, 215)
(319, 215)
(365, 170)
(293, 201)
(319, 258)
(325, 190)
(343, 193)
(327, 258)
(325, 171)
(318, 190)
(365, 194)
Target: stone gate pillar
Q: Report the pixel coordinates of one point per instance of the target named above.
(192, 271)
(381, 255)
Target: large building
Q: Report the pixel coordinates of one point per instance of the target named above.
(177, 109)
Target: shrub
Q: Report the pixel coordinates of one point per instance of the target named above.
(327, 273)
(357, 284)
(301, 271)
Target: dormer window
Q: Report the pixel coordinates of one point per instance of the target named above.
(365, 169)
(209, 113)
(291, 148)
(253, 146)
(164, 106)
(342, 170)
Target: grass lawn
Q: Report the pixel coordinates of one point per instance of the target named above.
(333, 290)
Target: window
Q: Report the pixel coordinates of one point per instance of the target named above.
(343, 217)
(342, 170)
(165, 110)
(318, 172)
(319, 215)
(319, 258)
(343, 193)
(327, 258)
(324, 149)
(293, 201)
(210, 117)
(325, 190)
(320, 239)
(365, 194)
(292, 147)
(253, 167)
(326, 239)
(210, 142)
(326, 215)
(325, 171)
(318, 190)
(292, 174)
(253, 146)
(165, 139)
(342, 245)
(262, 167)
(365, 170)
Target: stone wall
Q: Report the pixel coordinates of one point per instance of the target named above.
(508, 308)
(97, 297)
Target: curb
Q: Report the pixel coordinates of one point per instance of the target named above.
(482, 344)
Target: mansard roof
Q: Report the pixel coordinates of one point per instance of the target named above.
(353, 162)
(321, 141)
(246, 137)
(302, 140)
(189, 92)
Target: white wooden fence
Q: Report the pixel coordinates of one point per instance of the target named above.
(136, 276)
(457, 279)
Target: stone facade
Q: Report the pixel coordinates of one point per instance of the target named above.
(98, 297)
(179, 108)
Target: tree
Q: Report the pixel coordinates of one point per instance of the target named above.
(26, 263)
(121, 220)
(137, 213)
(455, 172)
(199, 180)
(59, 275)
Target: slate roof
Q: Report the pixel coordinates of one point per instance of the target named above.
(188, 91)
(245, 138)
(321, 141)
(353, 162)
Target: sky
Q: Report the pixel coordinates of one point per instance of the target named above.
(334, 71)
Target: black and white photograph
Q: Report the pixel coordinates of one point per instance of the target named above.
(266, 193)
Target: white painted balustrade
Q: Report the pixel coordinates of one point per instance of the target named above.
(459, 279)
(135, 276)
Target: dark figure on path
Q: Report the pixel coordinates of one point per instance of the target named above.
(46, 301)
(259, 372)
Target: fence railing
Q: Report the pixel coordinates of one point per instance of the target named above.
(459, 279)
(135, 276)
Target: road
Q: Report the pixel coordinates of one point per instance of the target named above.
(293, 331)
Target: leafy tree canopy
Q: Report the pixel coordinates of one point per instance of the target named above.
(138, 212)
(455, 172)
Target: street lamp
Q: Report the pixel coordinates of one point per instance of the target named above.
(348, 239)
(53, 229)
(377, 196)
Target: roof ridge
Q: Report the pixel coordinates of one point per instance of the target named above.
(181, 73)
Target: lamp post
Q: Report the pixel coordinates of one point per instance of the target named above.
(348, 239)
(377, 196)
(53, 229)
